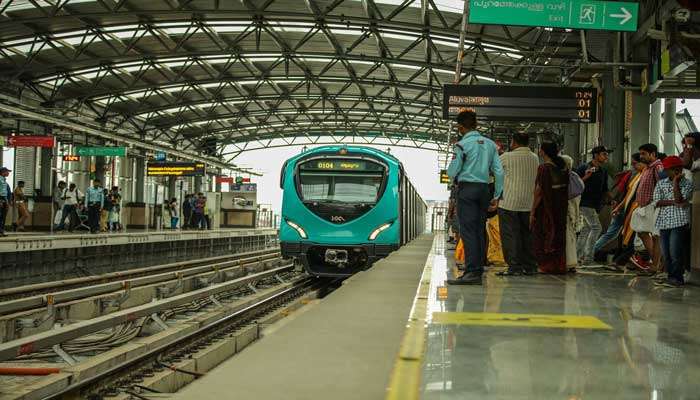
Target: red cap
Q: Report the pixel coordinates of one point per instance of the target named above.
(672, 162)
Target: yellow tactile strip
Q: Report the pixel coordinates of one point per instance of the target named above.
(520, 320)
(404, 383)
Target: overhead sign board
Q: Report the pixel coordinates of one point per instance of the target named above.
(166, 168)
(522, 103)
(574, 14)
(30, 141)
(160, 156)
(224, 179)
(105, 151)
(444, 178)
(244, 187)
(71, 158)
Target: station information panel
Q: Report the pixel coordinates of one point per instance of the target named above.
(522, 103)
(175, 169)
(338, 164)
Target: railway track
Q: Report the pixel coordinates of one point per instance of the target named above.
(117, 353)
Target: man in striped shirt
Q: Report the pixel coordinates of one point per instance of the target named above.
(520, 167)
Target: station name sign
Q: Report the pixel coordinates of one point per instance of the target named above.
(573, 14)
(522, 103)
(175, 169)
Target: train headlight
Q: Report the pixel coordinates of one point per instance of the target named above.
(297, 228)
(379, 230)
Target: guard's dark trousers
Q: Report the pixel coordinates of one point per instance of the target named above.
(516, 240)
(472, 203)
(94, 217)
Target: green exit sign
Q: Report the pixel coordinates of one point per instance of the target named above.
(105, 151)
(574, 14)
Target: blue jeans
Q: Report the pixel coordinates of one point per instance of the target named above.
(473, 202)
(173, 222)
(589, 233)
(615, 227)
(673, 242)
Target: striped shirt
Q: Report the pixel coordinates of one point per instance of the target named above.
(647, 183)
(520, 166)
(4, 188)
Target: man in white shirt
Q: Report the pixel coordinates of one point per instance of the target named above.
(71, 197)
(520, 166)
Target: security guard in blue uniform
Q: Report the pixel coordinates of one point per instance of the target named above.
(475, 159)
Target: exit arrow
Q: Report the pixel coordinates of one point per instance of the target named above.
(624, 17)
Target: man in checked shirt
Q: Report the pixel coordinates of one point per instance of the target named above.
(671, 197)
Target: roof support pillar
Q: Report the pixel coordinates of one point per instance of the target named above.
(655, 123)
(670, 127)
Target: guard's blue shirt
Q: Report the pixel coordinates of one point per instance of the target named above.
(4, 188)
(95, 195)
(476, 158)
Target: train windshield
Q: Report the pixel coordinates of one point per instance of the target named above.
(340, 180)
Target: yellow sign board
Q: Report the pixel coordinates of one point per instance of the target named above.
(520, 320)
(444, 178)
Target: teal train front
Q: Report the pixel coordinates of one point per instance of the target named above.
(344, 207)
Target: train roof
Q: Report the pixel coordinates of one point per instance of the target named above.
(351, 148)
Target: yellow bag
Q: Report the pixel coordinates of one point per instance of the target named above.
(459, 252)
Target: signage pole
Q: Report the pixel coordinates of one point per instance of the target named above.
(458, 71)
(51, 189)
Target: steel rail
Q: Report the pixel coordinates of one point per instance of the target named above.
(43, 340)
(38, 301)
(199, 333)
(131, 272)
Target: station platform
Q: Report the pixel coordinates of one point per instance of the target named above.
(398, 332)
(35, 257)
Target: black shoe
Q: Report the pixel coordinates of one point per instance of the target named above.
(468, 278)
(461, 267)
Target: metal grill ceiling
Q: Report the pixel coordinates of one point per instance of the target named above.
(241, 71)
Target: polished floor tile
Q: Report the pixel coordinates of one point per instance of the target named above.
(650, 350)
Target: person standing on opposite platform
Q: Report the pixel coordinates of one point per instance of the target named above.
(671, 197)
(174, 213)
(94, 200)
(596, 180)
(520, 168)
(187, 212)
(475, 158)
(549, 211)
(20, 200)
(58, 202)
(5, 197)
(71, 198)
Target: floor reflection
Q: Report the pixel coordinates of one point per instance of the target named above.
(652, 352)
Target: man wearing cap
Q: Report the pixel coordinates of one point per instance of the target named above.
(475, 159)
(672, 198)
(596, 181)
(4, 198)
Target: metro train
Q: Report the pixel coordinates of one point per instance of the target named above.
(344, 207)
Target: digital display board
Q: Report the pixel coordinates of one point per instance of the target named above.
(522, 103)
(337, 164)
(444, 178)
(167, 168)
(71, 158)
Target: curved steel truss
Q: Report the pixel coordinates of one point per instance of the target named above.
(267, 71)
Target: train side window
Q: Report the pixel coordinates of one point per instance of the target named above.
(284, 169)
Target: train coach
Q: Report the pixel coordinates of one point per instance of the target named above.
(345, 207)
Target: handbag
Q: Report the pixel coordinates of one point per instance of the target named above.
(576, 185)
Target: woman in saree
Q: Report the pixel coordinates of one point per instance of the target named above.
(627, 206)
(549, 211)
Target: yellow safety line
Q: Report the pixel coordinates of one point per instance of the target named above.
(404, 383)
(520, 320)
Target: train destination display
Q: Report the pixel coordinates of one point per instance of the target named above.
(334, 164)
(522, 103)
(175, 169)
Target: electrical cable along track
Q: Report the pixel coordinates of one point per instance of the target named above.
(153, 336)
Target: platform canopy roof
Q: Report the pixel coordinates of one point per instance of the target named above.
(262, 73)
